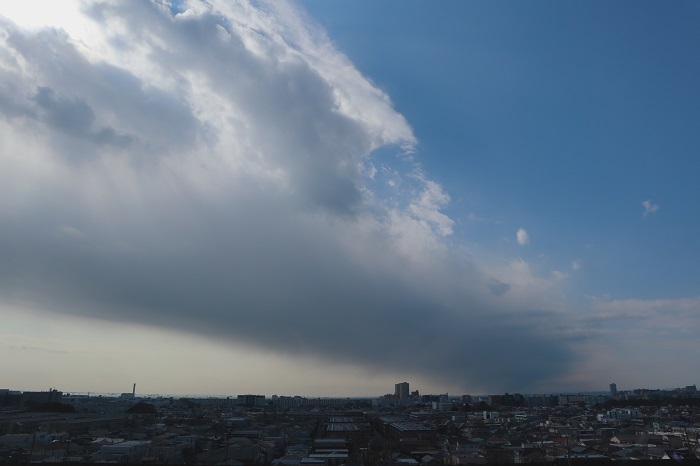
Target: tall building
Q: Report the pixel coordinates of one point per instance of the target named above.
(613, 390)
(401, 391)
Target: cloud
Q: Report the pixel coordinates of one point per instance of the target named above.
(75, 118)
(522, 237)
(427, 208)
(472, 217)
(639, 333)
(211, 171)
(70, 232)
(498, 288)
(662, 309)
(649, 207)
(576, 265)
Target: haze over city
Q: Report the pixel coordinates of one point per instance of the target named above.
(323, 198)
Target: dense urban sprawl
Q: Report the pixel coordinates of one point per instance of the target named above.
(398, 429)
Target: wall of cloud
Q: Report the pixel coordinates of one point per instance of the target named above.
(213, 170)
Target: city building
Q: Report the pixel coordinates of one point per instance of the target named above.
(401, 391)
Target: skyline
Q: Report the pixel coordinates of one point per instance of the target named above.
(332, 197)
(608, 392)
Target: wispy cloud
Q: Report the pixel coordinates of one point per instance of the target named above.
(649, 207)
(670, 309)
(472, 217)
(68, 231)
(427, 207)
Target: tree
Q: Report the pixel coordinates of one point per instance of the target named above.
(50, 407)
(142, 408)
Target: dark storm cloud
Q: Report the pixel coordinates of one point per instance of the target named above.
(263, 278)
(75, 117)
(261, 229)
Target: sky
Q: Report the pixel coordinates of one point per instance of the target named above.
(327, 198)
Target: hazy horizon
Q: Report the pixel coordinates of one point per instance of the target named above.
(318, 396)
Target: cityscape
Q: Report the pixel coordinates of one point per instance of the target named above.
(400, 428)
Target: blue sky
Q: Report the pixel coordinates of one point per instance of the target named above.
(476, 197)
(557, 117)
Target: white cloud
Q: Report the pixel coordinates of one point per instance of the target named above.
(427, 207)
(576, 265)
(524, 284)
(522, 237)
(649, 207)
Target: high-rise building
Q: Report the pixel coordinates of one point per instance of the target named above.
(401, 391)
(613, 390)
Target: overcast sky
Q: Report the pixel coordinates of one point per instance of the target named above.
(327, 198)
